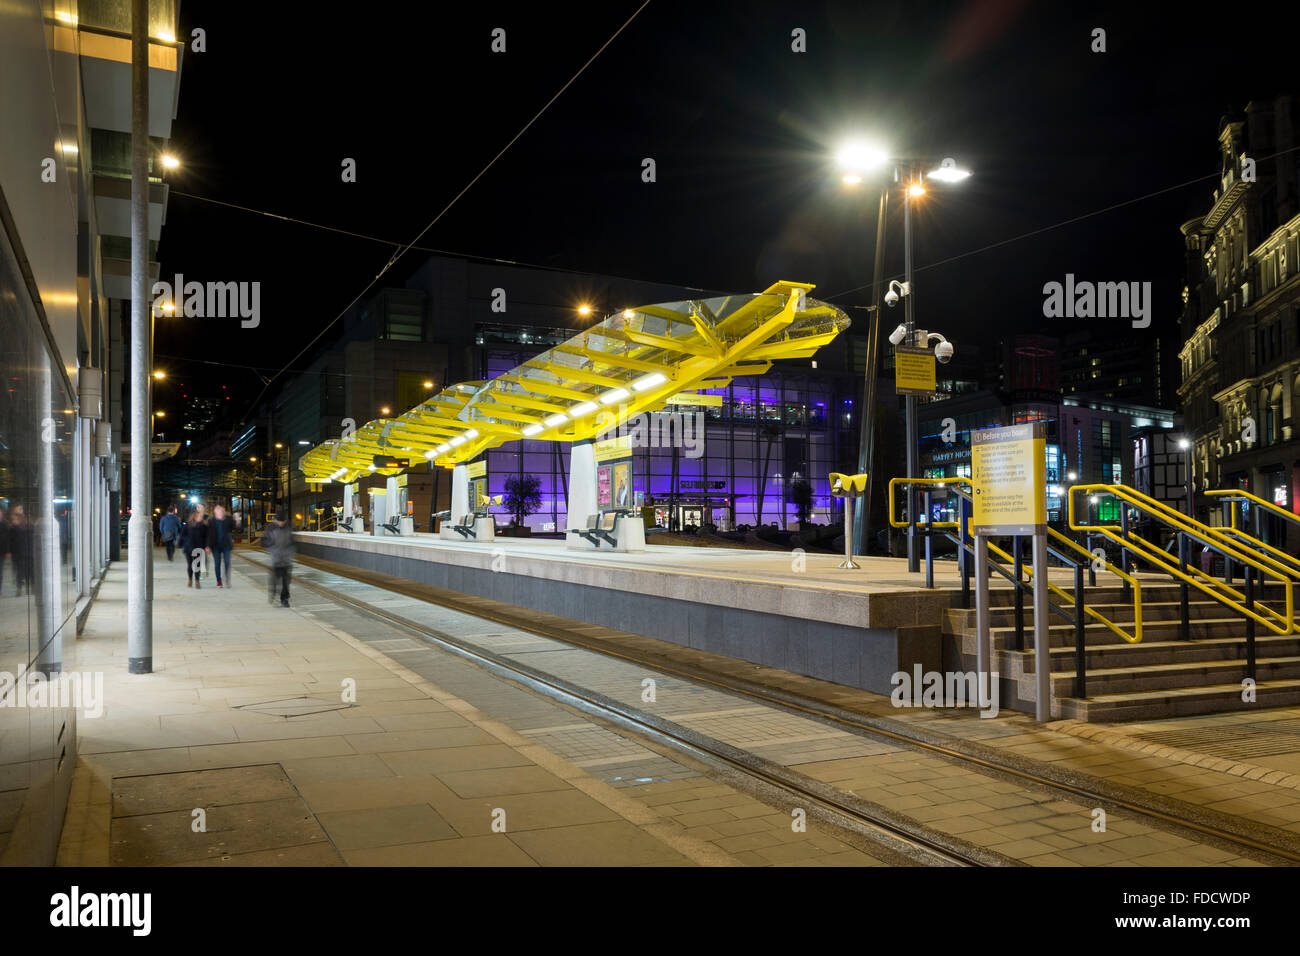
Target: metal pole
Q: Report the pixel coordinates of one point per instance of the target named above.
(1191, 486)
(867, 417)
(139, 600)
(1018, 566)
(1184, 607)
(1042, 639)
(848, 561)
(913, 558)
(929, 538)
(983, 649)
(1249, 574)
(1080, 637)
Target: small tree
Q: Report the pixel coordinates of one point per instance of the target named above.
(523, 497)
(801, 496)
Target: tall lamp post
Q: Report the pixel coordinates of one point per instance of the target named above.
(1186, 447)
(856, 160)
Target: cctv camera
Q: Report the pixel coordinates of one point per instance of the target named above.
(896, 291)
(898, 335)
(943, 352)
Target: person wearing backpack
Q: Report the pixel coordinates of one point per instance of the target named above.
(170, 529)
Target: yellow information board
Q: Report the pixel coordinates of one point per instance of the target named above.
(1009, 479)
(914, 370)
(476, 469)
(692, 398)
(612, 448)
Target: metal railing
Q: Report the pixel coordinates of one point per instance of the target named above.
(1256, 567)
(1230, 495)
(1074, 556)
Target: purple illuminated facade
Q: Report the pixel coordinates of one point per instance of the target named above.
(769, 432)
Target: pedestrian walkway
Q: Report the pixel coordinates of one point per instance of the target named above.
(273, 736)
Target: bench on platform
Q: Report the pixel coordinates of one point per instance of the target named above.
(601, 527)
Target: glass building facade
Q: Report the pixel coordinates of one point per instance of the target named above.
(729, 465)
(64, 279)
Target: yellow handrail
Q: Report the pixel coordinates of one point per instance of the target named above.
(1066, 596)
(1136, 637)
(1180, 521)
(1240, 493)
(920, 481)
(1245, 535)
(1133, 638)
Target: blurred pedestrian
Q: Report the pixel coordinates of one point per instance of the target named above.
(279, 546)
(20, 546)
(221, 540)
(170, 526)
(194, 544)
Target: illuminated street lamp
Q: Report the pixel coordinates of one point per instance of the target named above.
(855, 159)
(1185, 445)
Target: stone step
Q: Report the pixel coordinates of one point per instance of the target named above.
(1177, 702)
(1173, 675)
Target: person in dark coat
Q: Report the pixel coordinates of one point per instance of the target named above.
(20, 546)
(194, 545)
(170, 528)
(221, 540)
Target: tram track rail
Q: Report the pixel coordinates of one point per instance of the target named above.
(916, 842)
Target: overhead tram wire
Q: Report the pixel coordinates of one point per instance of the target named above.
(402, 251)
(442, 252)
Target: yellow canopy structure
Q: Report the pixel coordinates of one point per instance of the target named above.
(634, 361)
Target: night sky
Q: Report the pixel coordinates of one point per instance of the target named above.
(743, 132)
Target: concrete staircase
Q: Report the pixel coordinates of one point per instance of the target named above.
(1166, 675)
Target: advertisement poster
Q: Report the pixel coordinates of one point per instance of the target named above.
(603, 493)
(622, 484)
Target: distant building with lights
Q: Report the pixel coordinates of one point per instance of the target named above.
(1241, 318)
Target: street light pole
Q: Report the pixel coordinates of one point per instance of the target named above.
(867, 417)
(909, 320)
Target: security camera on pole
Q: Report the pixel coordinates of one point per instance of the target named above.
(914, 374)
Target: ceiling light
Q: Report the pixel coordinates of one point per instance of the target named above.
(472, 434)
(457, 441)
(617, 395)
(649, 381)
(530, 430)
(556, 420)
(443, 449)
(586, 408)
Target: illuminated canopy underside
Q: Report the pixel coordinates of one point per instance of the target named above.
(634, 361)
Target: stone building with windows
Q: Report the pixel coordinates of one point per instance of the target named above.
(1241, 318)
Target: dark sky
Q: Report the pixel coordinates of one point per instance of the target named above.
(742, 130)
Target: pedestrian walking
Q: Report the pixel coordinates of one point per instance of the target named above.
(170, 527)
(279, 546)
(221, 540)
(194, 546)
(20, 546)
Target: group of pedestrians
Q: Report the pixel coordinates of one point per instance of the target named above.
(201, 537)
